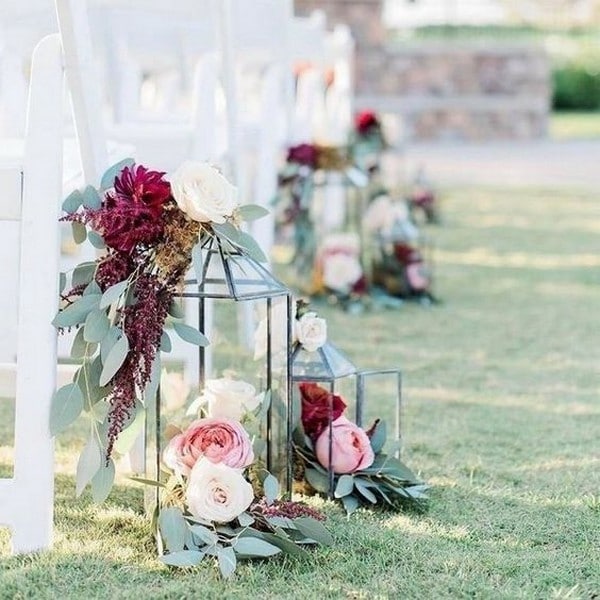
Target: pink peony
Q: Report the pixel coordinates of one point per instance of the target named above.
(351, 448)
(217, 439)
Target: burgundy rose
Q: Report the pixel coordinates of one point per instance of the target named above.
(366, 121)
(406, 254)
(132, 214)
(318, 407)
(303, 154)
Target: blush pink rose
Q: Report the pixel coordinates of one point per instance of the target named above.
(351, 448)
(219, 440)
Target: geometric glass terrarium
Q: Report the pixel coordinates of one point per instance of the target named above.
(328, 365)
(225, 277)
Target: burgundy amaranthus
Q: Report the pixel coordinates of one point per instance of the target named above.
(131, 221)
(287, 509)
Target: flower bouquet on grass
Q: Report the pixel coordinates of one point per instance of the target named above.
(335, 456)
(151, 230)
(218, 501)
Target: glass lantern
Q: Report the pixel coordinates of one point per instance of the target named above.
(330, 367)
(228, 289)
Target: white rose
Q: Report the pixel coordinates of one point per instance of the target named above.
(229, 398)
(311, 331)
(341, 272)
(217, 492)
(203, 193)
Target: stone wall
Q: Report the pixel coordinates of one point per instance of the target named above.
(445, 90)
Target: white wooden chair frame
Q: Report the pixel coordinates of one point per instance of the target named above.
(27, 499)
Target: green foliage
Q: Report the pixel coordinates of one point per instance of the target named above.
(576, 86)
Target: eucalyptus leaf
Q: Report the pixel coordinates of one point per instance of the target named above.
(271, 488)
(198, 262)
(378, 436)
(190, 334)
(108, 179)
(66, 406)
(113, 293)
(62, 282)
(92, 289)
(96, 240)
(208, 537)
(145, 481)
(251, 212)
(172, 527)
(363, 489)
(102, 481)
(96, 326)
(79, 232)
(130, 434)
(91, 198)
(77, 312)
(255, 547)
(227, 231)
(245, 520)
(344, 486)
(183, 558)
(251, 246)
(113, 335)
(318, 480)
(350, 504)
(83, 273)
(314, 530)
(80, 347)
(165, 342)
(176, 310)
(72, 202)
(227, 561)
(114, 360)
(90, 461)
(90, 382)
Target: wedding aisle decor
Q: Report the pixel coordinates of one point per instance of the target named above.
(398, 250)
(337, 457)
(218, 499)
(151, 230)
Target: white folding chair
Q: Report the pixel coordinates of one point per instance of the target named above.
(29, 242)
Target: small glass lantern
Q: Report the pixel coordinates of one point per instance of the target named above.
(330, 366)
(225, 277)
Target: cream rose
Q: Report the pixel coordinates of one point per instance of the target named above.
(229, 398)
(341, 272)
(311, 331)
(216, 492)
(202, 192)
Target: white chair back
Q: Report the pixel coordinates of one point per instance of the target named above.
(29, 218)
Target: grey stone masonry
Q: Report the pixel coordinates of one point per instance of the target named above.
(445, 89)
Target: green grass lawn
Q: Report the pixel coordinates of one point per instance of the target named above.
(569, 125)
(501, 417)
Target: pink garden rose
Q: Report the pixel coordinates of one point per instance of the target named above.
(217, 439)
(351, 448)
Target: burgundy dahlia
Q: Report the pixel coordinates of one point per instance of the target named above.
(406, 254)
(303, 154)
(132, 214)
(366, 121)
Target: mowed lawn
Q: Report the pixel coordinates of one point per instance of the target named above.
(502, 417)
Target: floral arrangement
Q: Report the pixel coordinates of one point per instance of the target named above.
(218, 501)
(338, 268)
(151, 230)
(337, 457)
(398, 265)
(367, 141)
